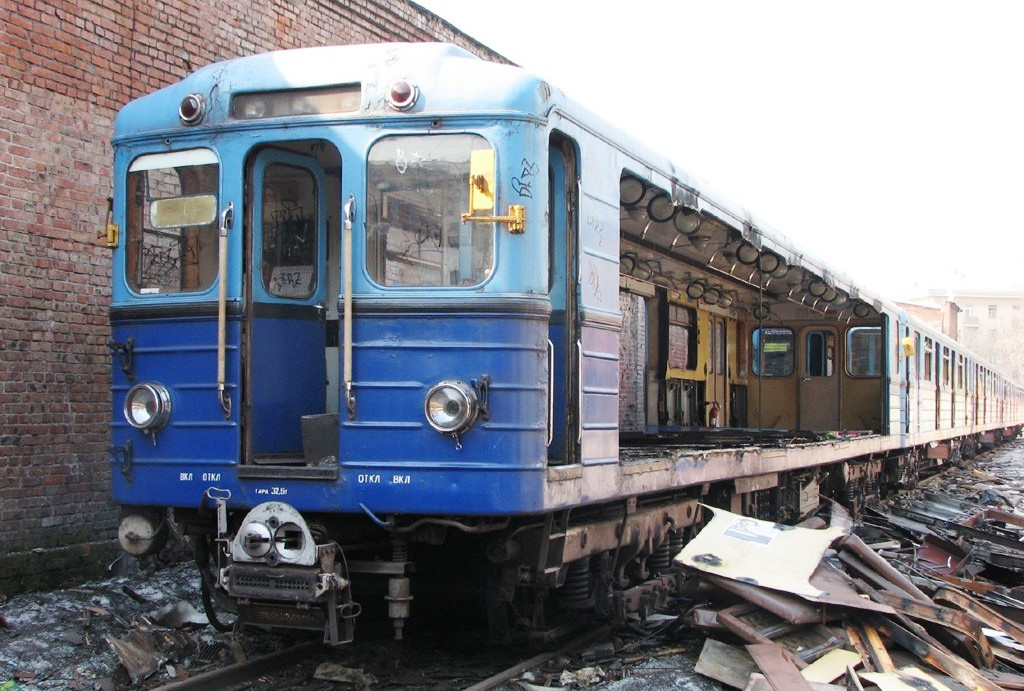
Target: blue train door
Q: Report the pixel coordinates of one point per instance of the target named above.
(285, 326)
(563, 329)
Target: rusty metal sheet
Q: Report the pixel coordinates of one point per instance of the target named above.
(973, 640)
(758, 552)
(788, 607)
(778, 667)
(881, 566)
(940, 556)
(986, 615)
(966, 674)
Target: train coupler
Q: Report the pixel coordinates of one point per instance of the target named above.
(281, 577)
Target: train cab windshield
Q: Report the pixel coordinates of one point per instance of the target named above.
(417, 191)
(171, 222)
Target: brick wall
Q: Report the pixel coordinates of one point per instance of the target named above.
(65, 69)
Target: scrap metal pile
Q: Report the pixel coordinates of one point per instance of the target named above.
(923, 592)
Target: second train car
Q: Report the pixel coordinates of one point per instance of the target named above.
(390, 316)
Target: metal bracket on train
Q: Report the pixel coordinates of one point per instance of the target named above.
(124, 456)
(482, 386)
(125, 354)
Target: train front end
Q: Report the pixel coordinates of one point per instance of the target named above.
(329, 326)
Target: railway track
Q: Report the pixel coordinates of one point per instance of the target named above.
(304, 664)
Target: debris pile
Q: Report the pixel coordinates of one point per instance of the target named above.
(923, 592)
(116, 634)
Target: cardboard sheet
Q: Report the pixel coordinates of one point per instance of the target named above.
(759, 552)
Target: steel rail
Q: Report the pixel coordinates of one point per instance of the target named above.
(241, 672)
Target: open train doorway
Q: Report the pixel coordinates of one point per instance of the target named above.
(288, 332)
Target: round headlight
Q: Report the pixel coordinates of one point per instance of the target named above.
(451, 406)
(256, 539)
(147, 406)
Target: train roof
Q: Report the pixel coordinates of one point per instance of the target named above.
(454, 81)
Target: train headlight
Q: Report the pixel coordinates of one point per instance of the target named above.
(451, 407)
(147, 406)
(256, 539)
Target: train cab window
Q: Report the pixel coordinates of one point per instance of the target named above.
(289, 231)
(171, 222)
(821, 349)
(417, 190)
(682, 337)
(864, 351)
(772, 352)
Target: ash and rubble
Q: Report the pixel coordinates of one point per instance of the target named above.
(950, 549)
(924, 590)
(118, 633)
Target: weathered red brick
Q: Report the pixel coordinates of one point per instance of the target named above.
(66, 67)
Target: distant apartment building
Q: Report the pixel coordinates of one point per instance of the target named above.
(990, 322)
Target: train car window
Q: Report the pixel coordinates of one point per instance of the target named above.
(821, 350)
(289, 231)
(960, 379)
(416, 193)
(682, 337)
(946, 368)
(929, 354)
(864, 351)
(171, 222)
(772, 352)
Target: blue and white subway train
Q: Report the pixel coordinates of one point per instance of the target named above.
(390, 315)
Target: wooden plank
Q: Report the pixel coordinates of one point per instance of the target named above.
(830, 666)
(857, 640)
(758, 682)
(878, 650)
(725, 663)
(778, 667)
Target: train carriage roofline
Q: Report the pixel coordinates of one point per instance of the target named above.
(457, 83)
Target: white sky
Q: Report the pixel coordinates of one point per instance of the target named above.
(883, 136)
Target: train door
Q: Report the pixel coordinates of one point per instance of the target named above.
(564, 328)
(285, 374)
(716, 391)
(819, 381)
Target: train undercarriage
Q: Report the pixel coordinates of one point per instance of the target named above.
(527, 575)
